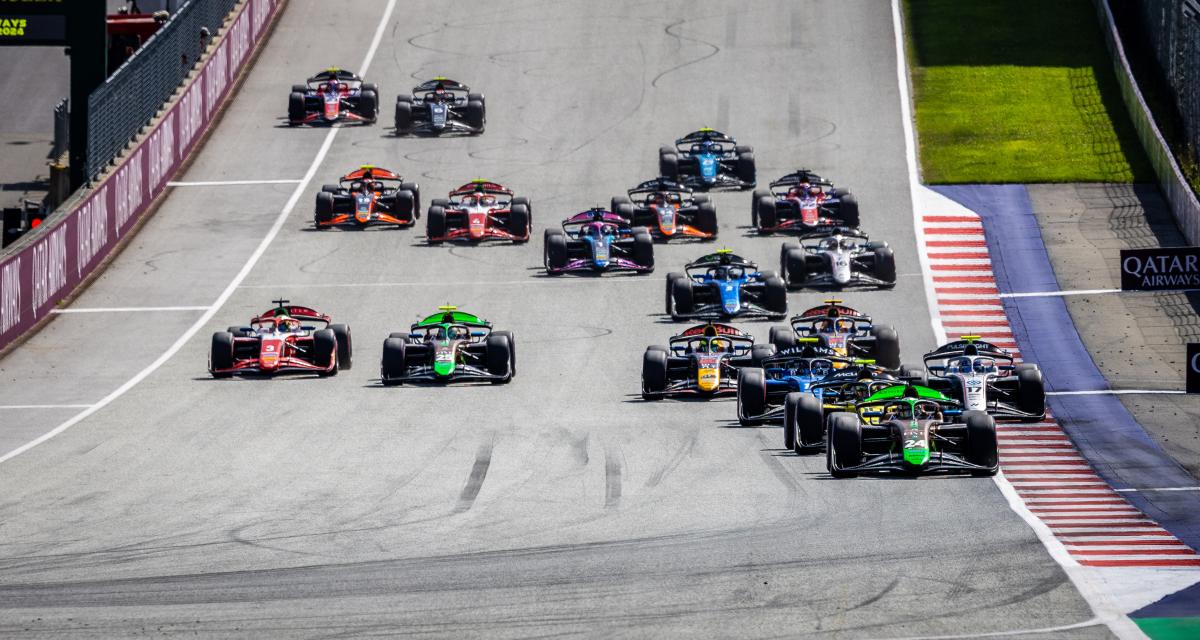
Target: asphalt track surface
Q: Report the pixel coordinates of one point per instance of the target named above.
(560, 504)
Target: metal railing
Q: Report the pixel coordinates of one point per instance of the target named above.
(62, 129)
(134, 94)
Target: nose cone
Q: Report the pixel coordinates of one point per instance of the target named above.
(708, 379)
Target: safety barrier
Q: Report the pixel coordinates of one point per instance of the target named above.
(1171, 180)
(49, 263)
(133, 95)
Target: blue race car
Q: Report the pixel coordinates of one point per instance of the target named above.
(595, 241)
(708, 159)
(808, 369)
(722, 285)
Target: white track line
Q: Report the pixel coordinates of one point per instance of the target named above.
(1105, 610)
(504, 283)
(44, 406)
(125, 309)
(1117, 392)
(233, 285)
(229, 183)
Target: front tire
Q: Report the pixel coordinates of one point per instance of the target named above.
(345, 348)
(654, 374)
(751, 396)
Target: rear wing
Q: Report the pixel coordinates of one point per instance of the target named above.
(742, 341)
(447, 84)
(335, 73)
(659, 184)
(799, 177)
(967, 346)
(284, 308)
(701, 135)
(481, 186)
(595, 215)
(370, 172)
(815, 237)
(723, 257)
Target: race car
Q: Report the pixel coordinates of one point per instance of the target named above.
(284, 339)
(850, 333)
(708, 159)
(479, 210)
(368, 196)
(441, 106)
(837, 257)
(983, 377)
(595, 241)
(904, 429)
(702, 361)
(808, 368)
(668, 209)
(333, 95)
(449, 346)
(802, 201)
(723, 285)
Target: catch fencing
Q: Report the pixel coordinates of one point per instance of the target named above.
(133, 95)
(1171, 179)
(48, 264)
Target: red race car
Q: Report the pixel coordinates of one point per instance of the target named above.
(331, 96)
(280, 341)
(368, 196)
(479, 210)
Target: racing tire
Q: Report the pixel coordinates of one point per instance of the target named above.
(654, 373)
(299, 88)
(759, 353)
(368, 105)
(756, 198)
(512, 350)
(393, 366)
(406, 205)
(706, 219)
(435, 225)
(795, 267)
(844, 444)
(519, 223)
(477, 97)
(668, 166)
(440, 202)
(887, 347)
(684, 298)
(499, 357)
(325, 352)
(404, 116)
(1031, 394)
(782, 337)
(848, 211)
(296, 112)
(751, 395)
(554, 254)
(767, 215)
(345, 347)
(476, 116)
(701, 198)
(982, 446)
(415, 189)
(671, 278)
(743, 148)
(402, 335)
(323, 213)
(807, 417)
(220, 355)
(775, 296)
(330, 188)
(643, 249)
(885, 266)
(240, 331)
(915, 374)
(617, 204)
(746, 169)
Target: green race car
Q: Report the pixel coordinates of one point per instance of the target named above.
(911, 429)
(447, 346)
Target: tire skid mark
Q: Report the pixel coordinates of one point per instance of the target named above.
(684, 451)
(670, 31)
(483, 460)
(612, 478)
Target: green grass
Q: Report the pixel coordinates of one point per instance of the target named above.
(1017, 91)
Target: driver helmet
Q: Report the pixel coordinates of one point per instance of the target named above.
(487, 200)
(334, 85)
(845, 325)
(659, 198)
(820, 368)
(984, 365)
(719, 346)
(814, 191)
(287, 323)
(721, 273)
(608, 229)
(927, 410)
(439, 91)
(960, 365)
(458, 333)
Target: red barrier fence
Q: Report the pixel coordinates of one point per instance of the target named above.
(34, 279)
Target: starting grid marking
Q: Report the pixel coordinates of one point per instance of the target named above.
(1094, 522)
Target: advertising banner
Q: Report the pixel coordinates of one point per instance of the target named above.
(1160, 269)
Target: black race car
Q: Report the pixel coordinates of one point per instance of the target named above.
(668, 209)
(440, 106)
(708, 159)
(802, 202)
(849, 332)
(333, 95)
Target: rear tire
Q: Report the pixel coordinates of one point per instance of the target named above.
(368, 105)
(885, 265)
(767, 215)
(323, 213)
(782, 337)
(795, 267)
(887, 347)
(751, 395)
(393, 365)
(1031, 394)
(499, 357)
(554, 251)
(916, 374)
(845, 444)
(668, 166)
(403, 116)
(324, 352)
(684, 297)
(706, 219)
(809, 420)
(476, 115)
(643, 250)
(671, 278)
(746, 169)
(982, 447)
(654, 373)
(435, 225)
(616, 204)
(776, 296)
(848, 211)
(221, 354)
(345, 348)
(296, 112)
(519, 222)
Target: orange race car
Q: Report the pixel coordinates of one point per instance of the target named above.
(368, 196)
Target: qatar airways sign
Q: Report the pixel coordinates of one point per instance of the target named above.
(1193, 367)
(1160, 269)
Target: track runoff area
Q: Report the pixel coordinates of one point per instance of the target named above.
(560, 501)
